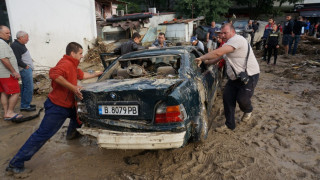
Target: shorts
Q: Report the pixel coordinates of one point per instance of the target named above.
(9, 85)
(287, 38)
(211, 44)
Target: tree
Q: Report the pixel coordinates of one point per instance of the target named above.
(212, 10)
(258, 7)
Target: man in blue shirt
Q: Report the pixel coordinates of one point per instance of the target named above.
(212, 37)
(160, 42)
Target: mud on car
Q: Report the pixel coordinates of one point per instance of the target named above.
(151, 99)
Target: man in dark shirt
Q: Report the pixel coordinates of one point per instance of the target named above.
(129, 46)
(267, 31)
(297, 27)
(212, 37)
(26, 68)
(287, 34)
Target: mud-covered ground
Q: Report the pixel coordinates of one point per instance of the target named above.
(282, 141)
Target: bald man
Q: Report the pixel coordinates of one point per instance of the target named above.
(235, 51)
(9, 75)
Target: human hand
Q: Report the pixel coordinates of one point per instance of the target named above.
(277, 46)
(77, 91)
(98, 73)
(198, 61)
(16, 75)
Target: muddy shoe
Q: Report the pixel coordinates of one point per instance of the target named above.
(74, 134)
(223, 129)
(18, 172)
(246, 117)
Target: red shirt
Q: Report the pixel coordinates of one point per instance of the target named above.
(67, 68)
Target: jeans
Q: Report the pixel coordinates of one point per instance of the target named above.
(27, 88)
(52, 121)
(236, 91)
(296, 40)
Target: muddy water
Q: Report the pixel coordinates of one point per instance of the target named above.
(282, 141)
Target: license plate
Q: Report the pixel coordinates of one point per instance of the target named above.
(118, 110)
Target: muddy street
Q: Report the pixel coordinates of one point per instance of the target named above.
(282, 140)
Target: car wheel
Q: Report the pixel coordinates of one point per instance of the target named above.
(201, 130)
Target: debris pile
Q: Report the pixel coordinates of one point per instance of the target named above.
(41, 84)
(93, 54)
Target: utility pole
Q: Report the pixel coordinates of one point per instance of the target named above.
(192, 9)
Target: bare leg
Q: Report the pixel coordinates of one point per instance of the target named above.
(13, 99)
(4, 102)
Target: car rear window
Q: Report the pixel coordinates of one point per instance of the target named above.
(165, 66)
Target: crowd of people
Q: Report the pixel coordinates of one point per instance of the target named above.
(222, 45)
(16, 62)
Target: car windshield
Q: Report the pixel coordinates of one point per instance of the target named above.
(159, 67)
(240, 24)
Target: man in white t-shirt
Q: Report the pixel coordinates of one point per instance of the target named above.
(235, 52)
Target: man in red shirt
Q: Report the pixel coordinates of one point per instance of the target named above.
(59, 106)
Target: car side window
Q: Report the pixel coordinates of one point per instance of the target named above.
(193, 63)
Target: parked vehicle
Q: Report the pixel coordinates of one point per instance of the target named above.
(240, 26)
(150, 99)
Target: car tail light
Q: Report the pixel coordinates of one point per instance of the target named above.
(168, 114)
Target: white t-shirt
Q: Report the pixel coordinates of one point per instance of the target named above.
(6, 52)
(237, 59)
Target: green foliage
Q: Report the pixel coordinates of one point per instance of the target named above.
(212, 10)
(133, 7)
(258, 7)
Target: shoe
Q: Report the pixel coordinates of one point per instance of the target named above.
(74, 134)
(15, 117)
(28, 109)
(33, 105)
(222, 129)
(18, 172)
(246, 117)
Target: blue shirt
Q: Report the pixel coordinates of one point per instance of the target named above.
(212, 32)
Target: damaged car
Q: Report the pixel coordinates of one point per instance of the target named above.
(150, 99)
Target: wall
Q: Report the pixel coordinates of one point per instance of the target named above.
(177, 32)
(51, 25)
(156, 20)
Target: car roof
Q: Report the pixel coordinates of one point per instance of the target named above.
(175, 50)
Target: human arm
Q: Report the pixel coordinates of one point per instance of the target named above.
(75, 89)
(117, 50)
(214, 55)
(91, 75)
(8, 65)
(279, 38)
(18, 53)
(208, 34)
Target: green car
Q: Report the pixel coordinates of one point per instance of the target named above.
(150, 99)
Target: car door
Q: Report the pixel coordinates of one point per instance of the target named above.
(208, 76)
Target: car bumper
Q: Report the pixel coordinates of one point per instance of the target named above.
(135, 140)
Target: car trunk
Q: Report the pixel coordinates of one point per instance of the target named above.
(126, 99)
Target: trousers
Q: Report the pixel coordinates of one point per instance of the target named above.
(52, 121)
(235, 91)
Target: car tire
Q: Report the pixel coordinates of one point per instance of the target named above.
(201, 129)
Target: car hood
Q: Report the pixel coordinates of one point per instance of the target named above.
(131, 84)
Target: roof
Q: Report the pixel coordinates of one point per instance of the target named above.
(175, 50)
(180, 21)
(112, 1)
